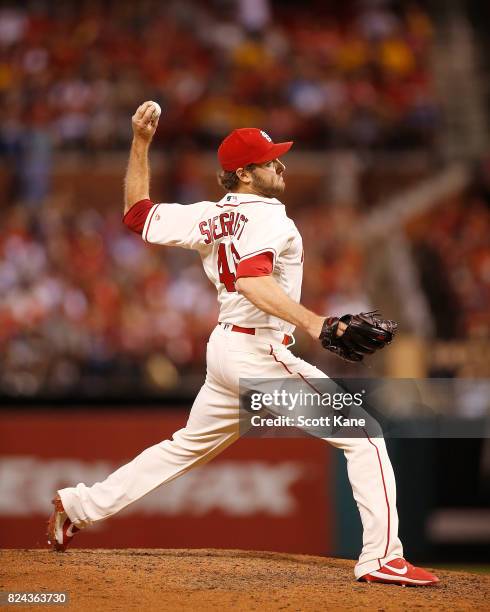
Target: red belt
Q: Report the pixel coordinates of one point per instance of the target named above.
(251, 330)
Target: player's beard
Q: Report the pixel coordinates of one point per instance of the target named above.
(271, 187)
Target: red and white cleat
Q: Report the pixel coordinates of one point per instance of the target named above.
(60, 528)
(401, 572)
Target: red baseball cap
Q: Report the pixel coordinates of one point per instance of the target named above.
(249, 146)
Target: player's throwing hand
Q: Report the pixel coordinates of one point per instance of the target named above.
(145, 120)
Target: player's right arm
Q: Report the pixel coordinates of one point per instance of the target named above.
(137, 179)
(169, 224)
(137, 203)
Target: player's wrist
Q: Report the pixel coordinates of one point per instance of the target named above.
(141, 143)
(314, 326)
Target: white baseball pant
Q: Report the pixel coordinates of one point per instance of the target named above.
(213, 425)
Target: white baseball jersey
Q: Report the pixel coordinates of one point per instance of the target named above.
(237, 229)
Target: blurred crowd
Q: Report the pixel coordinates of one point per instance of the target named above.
(87, 302)
(86, 307)
(331, 74)
(89, 308)
(451, 245)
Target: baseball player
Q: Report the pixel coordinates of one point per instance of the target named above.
(253, 253)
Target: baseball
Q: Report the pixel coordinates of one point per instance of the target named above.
(157, 110)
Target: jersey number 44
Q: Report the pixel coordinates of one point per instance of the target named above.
(226, 276)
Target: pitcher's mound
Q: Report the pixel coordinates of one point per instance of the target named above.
(154, 579)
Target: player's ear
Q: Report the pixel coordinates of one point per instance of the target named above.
(243, 175)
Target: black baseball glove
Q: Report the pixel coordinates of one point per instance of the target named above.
(366, 333)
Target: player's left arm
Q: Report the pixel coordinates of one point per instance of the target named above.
(265, 293)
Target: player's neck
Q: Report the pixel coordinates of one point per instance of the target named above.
(252, 191)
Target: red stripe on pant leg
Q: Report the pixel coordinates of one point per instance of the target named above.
(377, 453)
(382, 477)
(386, 495)
(278, 361)
(309, 384)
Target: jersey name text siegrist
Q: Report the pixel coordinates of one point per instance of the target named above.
(225, 224)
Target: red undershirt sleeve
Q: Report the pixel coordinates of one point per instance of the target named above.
(136, 216)
(258, 265)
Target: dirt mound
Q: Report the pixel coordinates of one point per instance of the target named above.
(154, 579)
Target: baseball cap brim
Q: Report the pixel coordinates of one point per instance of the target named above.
(276, 150)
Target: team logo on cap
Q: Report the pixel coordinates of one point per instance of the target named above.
(266, 136)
